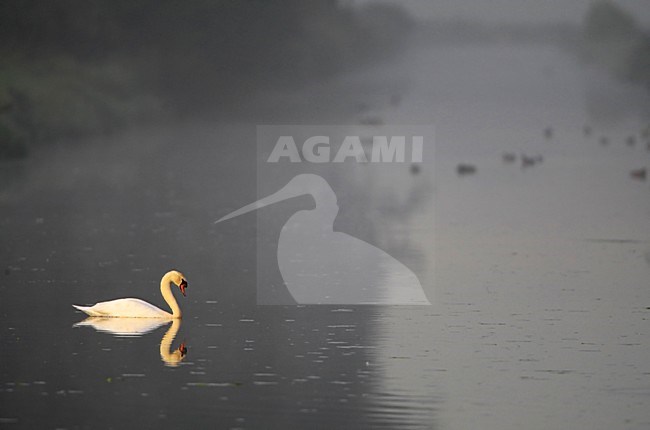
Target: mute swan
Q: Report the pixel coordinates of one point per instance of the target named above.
(136, 308)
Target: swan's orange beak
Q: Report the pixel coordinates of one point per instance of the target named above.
(182, 349)
(183, 286)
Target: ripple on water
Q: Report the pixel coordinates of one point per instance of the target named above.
(355, 347)
(213, 384)
(400, 408)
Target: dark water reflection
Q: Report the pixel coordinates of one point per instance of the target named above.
(537, 276)
(103, 223)
(267, 367)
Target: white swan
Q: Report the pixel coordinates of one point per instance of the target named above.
(136, 308)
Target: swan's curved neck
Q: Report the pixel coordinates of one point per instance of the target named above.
(166, 291)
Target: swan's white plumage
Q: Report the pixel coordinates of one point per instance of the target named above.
(124, 308)
(124, 326)
(136, 308)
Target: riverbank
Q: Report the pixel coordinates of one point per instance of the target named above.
(60, 97)
(80, 69)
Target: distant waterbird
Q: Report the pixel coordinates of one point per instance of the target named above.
(372, 120)
(529, 160)
(639, 174)
(509, 157)
(548, 133)
(323, 266)
(464, 169)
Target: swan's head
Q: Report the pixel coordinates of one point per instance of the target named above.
(179, 280)
(182, 349)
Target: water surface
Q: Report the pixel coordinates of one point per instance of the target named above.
(538, 276)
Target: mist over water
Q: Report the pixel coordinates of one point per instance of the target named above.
(527, 226)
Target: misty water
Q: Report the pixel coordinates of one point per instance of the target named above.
(537, 275)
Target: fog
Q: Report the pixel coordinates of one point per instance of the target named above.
(82, 68)
(511, 11)
(497, 279)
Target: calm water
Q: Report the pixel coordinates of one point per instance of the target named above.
(538, 276)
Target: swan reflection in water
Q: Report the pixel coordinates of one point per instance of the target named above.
(134, 327)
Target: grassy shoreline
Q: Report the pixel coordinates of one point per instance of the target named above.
(79, 68)
(57, 97)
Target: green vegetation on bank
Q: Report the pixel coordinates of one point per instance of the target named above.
(76, 67)
(51, 98)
